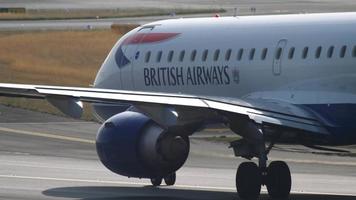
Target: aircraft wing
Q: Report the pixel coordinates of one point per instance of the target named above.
(261, 111)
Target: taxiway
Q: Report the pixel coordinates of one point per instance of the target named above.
(48, 157)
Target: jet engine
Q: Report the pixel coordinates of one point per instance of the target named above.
(133, 145)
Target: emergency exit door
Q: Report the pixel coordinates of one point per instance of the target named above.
(278, 57)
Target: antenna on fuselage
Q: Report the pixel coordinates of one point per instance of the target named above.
(235, 12)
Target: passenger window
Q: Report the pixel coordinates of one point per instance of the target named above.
(170, 56)
(193, 55)
(305, 52)
(252, 53)
(354, 51)
(147, 57)
(318, 52)
(205, 55)
(181, 56)
(264, 54)
(291, 53)
(228, 55)
(343, 51)
(330, 51)
(240, 54)
(159, 56)
(216, 55)
(278, 53)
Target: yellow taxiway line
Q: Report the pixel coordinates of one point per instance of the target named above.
(47, 135)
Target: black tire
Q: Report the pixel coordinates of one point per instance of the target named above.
(248, 181)
(170, 179)
(156, 181)
(279, 181)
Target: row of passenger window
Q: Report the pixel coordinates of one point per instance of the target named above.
(250, 53)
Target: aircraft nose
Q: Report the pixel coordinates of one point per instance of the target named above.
(109, 76)
(114, 72)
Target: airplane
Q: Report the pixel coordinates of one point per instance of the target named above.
(270, 79)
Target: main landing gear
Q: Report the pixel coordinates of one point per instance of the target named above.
(250, 176)
(169, 180)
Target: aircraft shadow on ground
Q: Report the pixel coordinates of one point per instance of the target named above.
(162, 193)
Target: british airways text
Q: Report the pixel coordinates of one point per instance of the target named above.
(197, 75)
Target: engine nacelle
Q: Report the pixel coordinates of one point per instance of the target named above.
(133, 145)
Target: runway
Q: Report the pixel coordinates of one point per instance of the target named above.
(243, 8)
(270, 6)
(49, 157)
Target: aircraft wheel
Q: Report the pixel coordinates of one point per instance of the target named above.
(279, 180)
(156, 181)
(170, 179)
(248, 180)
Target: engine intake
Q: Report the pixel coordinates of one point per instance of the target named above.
(133, 145)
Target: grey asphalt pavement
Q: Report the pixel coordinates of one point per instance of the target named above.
(48, 157)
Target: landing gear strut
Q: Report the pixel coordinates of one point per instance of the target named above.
(170, 179)
(250, 176)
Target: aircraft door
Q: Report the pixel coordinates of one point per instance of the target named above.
(129, 50)
(124, 60)
(278, 57)
(138, 60)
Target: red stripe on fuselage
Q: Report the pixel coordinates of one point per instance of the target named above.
(140, 38)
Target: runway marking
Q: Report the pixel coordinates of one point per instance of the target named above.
(75, 139)
(47, 135)
(41, 123)
(175, 186)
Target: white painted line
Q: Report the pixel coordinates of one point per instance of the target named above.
(109, 182)
(229, 189)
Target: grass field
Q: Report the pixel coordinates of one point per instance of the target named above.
(48, 14)
(68, 58)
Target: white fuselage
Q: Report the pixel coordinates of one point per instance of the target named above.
(302, 59)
